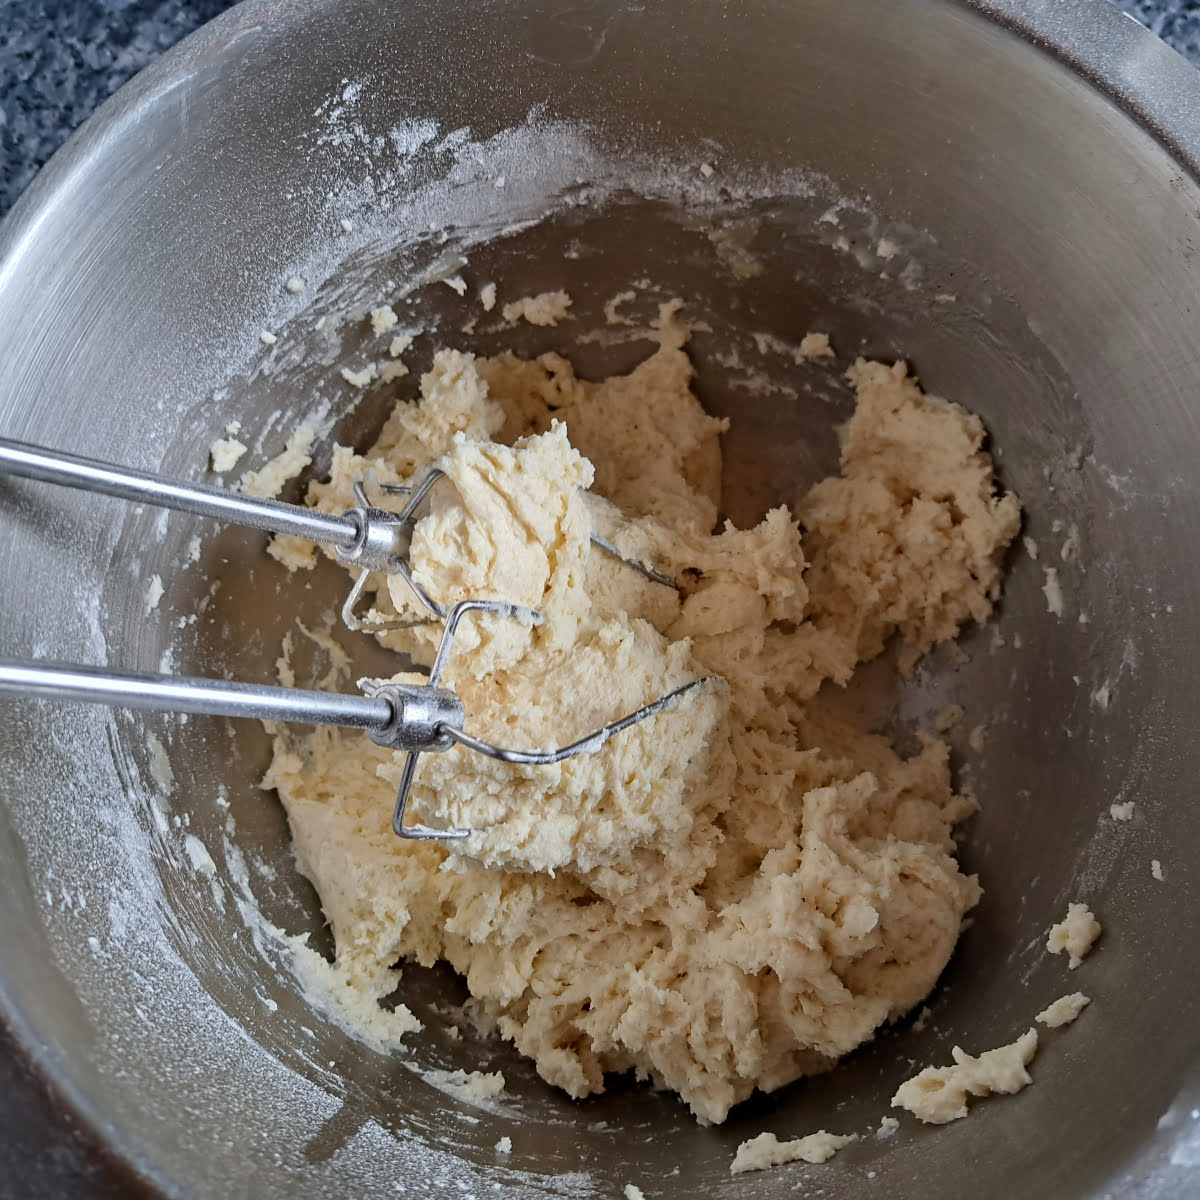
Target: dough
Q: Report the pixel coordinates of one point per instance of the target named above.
(1063, 1011)
(546, 308)
(295, 456)
(939, 1094)
(473, 1086)
(767, 1150)
(741, 889)
(383, 319)
(225, 453)
(1075, 934)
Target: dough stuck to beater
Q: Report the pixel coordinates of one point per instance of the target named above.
(742, 889)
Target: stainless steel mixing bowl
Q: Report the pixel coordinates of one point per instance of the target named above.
(1036, 168)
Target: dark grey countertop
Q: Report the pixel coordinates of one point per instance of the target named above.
(59, 59)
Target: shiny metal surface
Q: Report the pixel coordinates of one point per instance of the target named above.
(355, 537)
(1038, 164)
(187, 694)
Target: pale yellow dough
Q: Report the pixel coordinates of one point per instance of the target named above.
(742, 889)
(1075, 933)
(1063, 1011)
(767, 1150)
(939, 1094)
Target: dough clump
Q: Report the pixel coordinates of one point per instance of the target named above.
(741, 889)
(767, 1150)
(546, 308)
(1063, 1011)
(1075, 933)
(939, 1094)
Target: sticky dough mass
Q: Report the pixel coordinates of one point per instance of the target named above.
(741, 889)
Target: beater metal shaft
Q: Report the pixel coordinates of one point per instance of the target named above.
(415, 718)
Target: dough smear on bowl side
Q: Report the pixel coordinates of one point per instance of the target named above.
(742, 889)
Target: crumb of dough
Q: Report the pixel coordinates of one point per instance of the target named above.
(361, 378)
(154, 593)
(950, 716)
(767, 1150)
(1052, 590)
(504, 1145)
(456, 283)
(1156, 870)
(887, 1127)
(267, 338)
(295, 284)
(383, 319)
(1121, 812)
(816, 345)
(939, 1094)
(346, 224)
(740, 890)
(269, 479)
(633, 1192)
(400, 343)
(1031, 547)
(193, 551)
(887, 248)
(487, 296)
(707, 170)
(546, 308)
(392, 370)
(467, 1085)
(977, 737)
(225, 453)
(1075, 934)
(1102, 696)
(1064, 1010)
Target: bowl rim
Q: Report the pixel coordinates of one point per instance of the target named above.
(1147, 80)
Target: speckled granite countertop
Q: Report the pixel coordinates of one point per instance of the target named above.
(59, 59)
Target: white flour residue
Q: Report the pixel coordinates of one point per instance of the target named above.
(154, 593)
(198, 853)
(160, 766)
(1052, 590)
